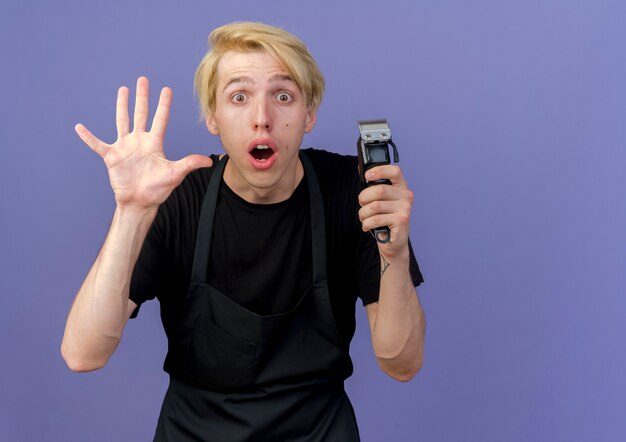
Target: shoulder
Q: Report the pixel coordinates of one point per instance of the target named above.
(320, 157)
(340, 186)
(334, 170)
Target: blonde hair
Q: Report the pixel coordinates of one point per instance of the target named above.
(252, 37)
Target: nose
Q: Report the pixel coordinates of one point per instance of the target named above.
(262, 118)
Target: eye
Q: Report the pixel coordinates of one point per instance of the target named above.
(239, 97)
(284, 97)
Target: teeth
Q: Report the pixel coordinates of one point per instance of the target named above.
(261, 146)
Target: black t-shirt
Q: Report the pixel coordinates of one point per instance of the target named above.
(261, 254)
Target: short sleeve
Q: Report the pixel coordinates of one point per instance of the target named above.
(368, 268)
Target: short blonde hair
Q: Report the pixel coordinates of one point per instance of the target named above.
(251, 37)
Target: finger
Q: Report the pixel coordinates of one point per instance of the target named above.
(395, 221)
(375, 222)
(378, 192)
(386, 192)
(141, 105)
(190, 163)
(121, 112)
(377, 208)
(162, 115)
(389, 172)
(385, 216)
(90, 140)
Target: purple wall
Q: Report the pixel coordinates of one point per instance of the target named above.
(510, 120)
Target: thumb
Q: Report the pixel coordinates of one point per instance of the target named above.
(188, 164)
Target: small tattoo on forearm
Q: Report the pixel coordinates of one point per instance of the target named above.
(384, 266)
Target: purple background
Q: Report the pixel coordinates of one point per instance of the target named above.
(510, 120)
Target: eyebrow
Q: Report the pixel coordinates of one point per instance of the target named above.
(249, 80)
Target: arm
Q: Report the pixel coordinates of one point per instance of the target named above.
(101, 307)
(141, 178)
(397, 322)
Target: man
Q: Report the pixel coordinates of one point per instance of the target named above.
(256, 257)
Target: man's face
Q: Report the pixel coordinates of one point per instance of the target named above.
(261, 116)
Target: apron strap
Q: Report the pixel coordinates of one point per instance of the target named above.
(204, 233)
(318, 223)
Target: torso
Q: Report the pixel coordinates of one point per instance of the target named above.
(164, 268)
(247, 376)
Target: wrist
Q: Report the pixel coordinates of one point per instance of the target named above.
(130, 216)
(395, 256)
(398, 262)
(136, 211)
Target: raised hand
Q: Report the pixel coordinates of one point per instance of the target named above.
(140, 175)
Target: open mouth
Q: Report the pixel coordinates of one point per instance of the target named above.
(262, 152)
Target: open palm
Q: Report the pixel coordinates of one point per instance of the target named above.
(139, 173)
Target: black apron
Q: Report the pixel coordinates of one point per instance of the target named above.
(249, 377)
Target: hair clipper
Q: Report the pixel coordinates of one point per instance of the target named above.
(373, 150)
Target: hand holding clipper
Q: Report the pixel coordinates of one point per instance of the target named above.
(373, 150)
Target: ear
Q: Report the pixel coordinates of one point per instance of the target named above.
(311, 118)
(211, 124)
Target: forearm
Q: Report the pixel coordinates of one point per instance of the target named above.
(101, 308)
(398, 323)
